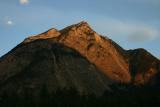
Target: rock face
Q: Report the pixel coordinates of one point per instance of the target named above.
(97, 50)
(74, 57)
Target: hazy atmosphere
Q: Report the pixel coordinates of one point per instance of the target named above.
(130, 23)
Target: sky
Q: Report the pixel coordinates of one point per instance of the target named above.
(130, 23)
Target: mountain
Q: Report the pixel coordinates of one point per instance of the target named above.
(75, 57)
(119, 65)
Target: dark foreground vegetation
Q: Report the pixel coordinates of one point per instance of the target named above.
(132, 97)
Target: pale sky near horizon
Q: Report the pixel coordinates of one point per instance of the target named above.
(130, 23)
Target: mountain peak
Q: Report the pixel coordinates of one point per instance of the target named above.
(83, 23)
(79, 28)
(83, 26)
(51, 33)
(54, 32)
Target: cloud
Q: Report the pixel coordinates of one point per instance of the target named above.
(24, 2)
(9, 22)
(132, 31)
(142, 34)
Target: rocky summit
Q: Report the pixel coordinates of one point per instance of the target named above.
(75, 57)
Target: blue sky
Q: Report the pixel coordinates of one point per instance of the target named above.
(130, 23)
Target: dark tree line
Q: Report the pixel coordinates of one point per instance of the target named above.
(120, 96)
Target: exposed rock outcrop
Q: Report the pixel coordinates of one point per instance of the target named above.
(46, 35)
